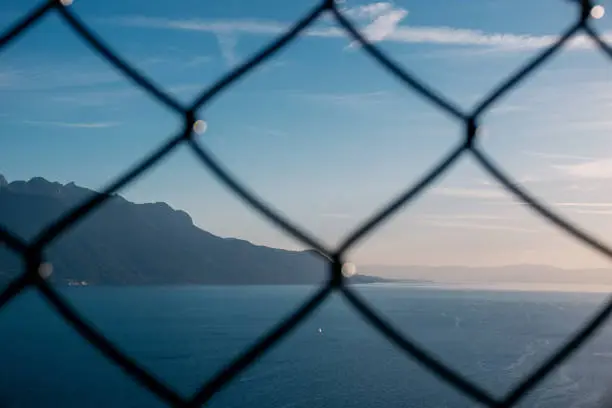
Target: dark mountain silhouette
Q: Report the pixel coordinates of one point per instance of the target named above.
(127, 243)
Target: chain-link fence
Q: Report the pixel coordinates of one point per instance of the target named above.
(35, 268)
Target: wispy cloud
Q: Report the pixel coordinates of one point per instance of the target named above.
(371, 10)
(384, 27)
(37, 76)
(595, 169)
(474, 222)
(507, 108)
(82, 125)
(588, 208)
(585, 205)
(351, 99)
(118, 95)
(594, 212)
(169, 61)
(244, 26)
(454, 217)
(89, 75)
(335, 215)
(383, 17)
(487, 194)
(227, 44)
(589, 125)
(557, 156)
(479, 226)
(96, 97)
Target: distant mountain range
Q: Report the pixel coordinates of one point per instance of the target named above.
(127, 243)
(518, 273)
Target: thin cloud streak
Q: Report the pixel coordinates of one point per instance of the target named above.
(598, 209)
(594, 212)
(357, 100)
(487, 194)
(585, 205)
(81, 125)
(386, 29)
(113, 97)
(477, 226)
(336, 215)
(36, 76)
(97, 97)
(454, 217)
(595, 169)
(557, 156)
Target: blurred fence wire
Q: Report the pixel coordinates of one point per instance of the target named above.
(36, 269)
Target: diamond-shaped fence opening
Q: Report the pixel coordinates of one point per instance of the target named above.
(37, 270)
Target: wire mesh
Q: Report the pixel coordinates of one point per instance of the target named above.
(32, 253)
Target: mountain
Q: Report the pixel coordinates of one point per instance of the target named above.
(518, 273)
(127, 243)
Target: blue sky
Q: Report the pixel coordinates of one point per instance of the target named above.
(321, 131)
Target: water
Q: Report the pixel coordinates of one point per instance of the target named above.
(185, 334)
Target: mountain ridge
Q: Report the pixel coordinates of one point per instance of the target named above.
(512, 273)
(151, 243)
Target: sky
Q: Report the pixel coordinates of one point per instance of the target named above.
(321, 132)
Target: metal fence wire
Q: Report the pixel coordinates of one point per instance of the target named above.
(35, 268)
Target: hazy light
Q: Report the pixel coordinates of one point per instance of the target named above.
(199, 126)
(66, 2)
(349, 269)
(45, 270)
(598, 12)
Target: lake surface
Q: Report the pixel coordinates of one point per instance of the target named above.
(185, 334)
